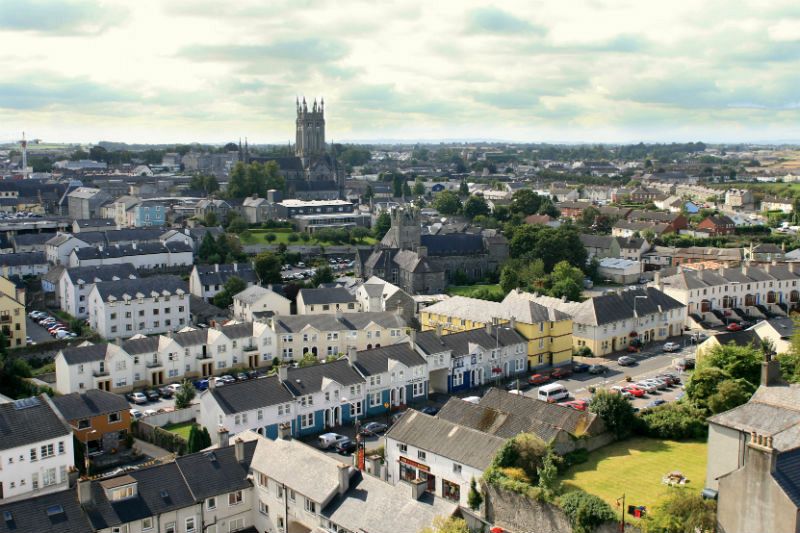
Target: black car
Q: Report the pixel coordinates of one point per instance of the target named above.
(345, 447)
(129, 397)
(152, 395)
(580, 367)
(242, 376)
(428, 410)
(166, 392)
(373, 428)
(520, 384)
(598, 369)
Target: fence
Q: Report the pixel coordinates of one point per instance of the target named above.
(173, 417)
(160, 437)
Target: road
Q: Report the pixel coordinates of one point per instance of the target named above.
(37, 333)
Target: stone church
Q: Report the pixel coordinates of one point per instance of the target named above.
(312, 173)
(424, 264)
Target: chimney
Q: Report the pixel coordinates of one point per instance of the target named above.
(513, 322)
(352, 355)
(238, 449)
(133, 245)
(85, 492)
(373, 465)
(216, 267)
(223, 435)
(236, 267)
(412, 339)
(283, 373)
(344, 478)
(418, 487)
(771, 372)
(721, 271)
(285, 431)
(657, 278)
(211, 383)
(489, 328)
(438, 330)
(422, 251)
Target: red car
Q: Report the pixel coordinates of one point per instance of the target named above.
(538, 379)
(580, 405)
(561, 372)
(733, 326)
(635, 391)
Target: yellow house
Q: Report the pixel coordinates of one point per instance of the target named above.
(12, 313)
(548, 331)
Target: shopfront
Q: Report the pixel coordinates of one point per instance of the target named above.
(411, 470)
(451, 491)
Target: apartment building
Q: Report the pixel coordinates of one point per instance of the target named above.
(12, 313)
(75, 284)
(327, 300)
(142, 255)
(206, 281)
(100, 420)
(259, 303)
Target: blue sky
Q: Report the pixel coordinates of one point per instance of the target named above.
(566, 71)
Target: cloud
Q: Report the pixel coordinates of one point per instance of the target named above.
(45, 90)
(494, 20)
(66, 17)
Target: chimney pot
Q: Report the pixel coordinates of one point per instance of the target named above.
(283, 373)
(223, 434)
(438, 330)
(238, 449)
(285, 431)
(352, 355)
(344, 478)
(84, 492)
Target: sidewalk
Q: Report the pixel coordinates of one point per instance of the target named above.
(151, 450)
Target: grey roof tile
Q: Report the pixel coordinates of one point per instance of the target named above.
(29, 420)
(91, 403)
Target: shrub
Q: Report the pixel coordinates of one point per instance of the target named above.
(585, 511)
(293, 237)
(675, 421)
(584, 351)
(575, 457)
(616, 412)
(515, 473)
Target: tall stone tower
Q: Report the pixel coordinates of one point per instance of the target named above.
(405, 232)
(310, 133)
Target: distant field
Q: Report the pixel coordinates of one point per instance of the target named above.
(485, 292)
(634, 467)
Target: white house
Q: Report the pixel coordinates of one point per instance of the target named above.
(206, 281)
(36, 449)
(23, 264)
(618, 270)
(260, 302)
(329, 300)
(139, 306)
(58, 248)
(75, 284)
(145, 255)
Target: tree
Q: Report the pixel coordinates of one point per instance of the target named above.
(566, 281)
(205, 183)
(474, 498)
(195, 442)
(548, 473)
(232, 287)
(184, 396)
(208, 246)
(586, 512)
(525, 202)
(308, 359)
(419, 187)
(588, 218)
(475, 206)
(730, 393)
(270, 237)
(615, 411)
(268, 267)
(447, 203)
(210, 220)
(368, 192)
(740, 364)
(551, 245)
(683, 511)
(359, 233)
(397, 185)
(254, 178)
(206, 438)
(237, 223)
(382, 225)
(447, 525)
(323, 274)
(463, 188)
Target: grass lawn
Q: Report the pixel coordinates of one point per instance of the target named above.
(181, 429)
(635, 467)
(471, 290)
(258, 236)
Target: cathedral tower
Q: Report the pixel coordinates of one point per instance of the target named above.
(310, 132)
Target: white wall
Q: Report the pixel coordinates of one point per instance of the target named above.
(18, 469)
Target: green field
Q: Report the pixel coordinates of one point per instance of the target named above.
(486, 292)
(257, 236)
(181, 429)
(634, 467)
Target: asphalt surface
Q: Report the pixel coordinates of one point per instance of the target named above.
(37, 333)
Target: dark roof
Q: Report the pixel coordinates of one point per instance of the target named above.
(145, 286)
(102, 272)
(216, 472)
(326, 296)
(452, 244)
(29, 420)
(126, 250)
(249, 395)
(24, 258)
(141, 345)
(619, 306)
(307, 380)
(322, 185)
(91, 403)
(134, 234)
(376, 361)
(209, 276)
(27, 239)
(30, 515)
(92, 222)
(745, 337)
(787, 474)
(84, 354)
(430, 343)
(160, 489)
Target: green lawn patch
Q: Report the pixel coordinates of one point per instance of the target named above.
(484, 292)
(182, 429)
(635, 467)
(257, 236)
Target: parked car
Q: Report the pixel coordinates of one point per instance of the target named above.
(242, 376)
(626, 360)
(659, 383)
(345, 447)
(217, 381)
(373, 428)
(175, 387)
(580, 405)
(561, 372)
(149, 412)
(135, 413)
(152, 395)
(326, 440)
(538, 379)
(598, 369)
(733, 326)
(166, 392)
(648, 387)
(428, 410)
(656, 403)
(621, 390)
(579, 367)
(227, 378)
(201, 384)
(684, 364)
(635, 391)
(674, 378)
(129, 397)
(672, 347)
(139, 398)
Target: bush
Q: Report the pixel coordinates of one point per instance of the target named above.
(575, 457)
(676, 421)
(515, 473)
(585, 511)
(293, 237)
(616, 412)
(584, 351)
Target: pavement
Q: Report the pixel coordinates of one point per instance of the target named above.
(150, 450)
(37, 333)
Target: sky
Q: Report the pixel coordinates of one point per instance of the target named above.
(155, 71)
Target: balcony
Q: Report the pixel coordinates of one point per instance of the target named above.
(100, 373)
(203, 356)
(247, 349)
(153, 364)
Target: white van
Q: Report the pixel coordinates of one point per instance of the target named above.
(472, 399)
(553, 393)
(327, 440)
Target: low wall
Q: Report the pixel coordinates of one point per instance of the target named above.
(173, 417)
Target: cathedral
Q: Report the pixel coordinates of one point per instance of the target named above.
(312, 173)
(424, 264)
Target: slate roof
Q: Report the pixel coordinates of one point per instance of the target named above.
(209, 275)
(745, 337)
(343, 322)
(453, 244)
(376, 361)
(515, 305)
(30, 515)
(91, 403)
(430, 343)
(326, 296)
(787, 474)
(92, 274)
(441, 437)
(216, 472)
(29, 239)
(251, 394)
(28, 421)
(23, 258)
(127, 250)
(85, 353)
(145, 286)
(308, 380)
(134, 346)
(596, 241)
(95, 222)
(698, 279)
(252, 294)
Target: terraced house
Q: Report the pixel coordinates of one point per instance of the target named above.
(548, 331)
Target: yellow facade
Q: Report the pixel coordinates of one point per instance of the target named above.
(12, 320)
(549, 343)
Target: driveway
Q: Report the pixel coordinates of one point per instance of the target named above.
(37, 332)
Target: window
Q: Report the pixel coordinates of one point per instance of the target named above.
(113, 417)
(279, 491)
(456, 468)
(420, 455)
(402, 447)
(418, 389)
(190, 525)
(60, 447)
(263, 508)
(211, 503)
(260, 415)
(169, 527)
(34, 481)
(49, 477)
(292, 495)
(33, 454)
(310, 506)
(47, 451)
(120, 529)
(307, 420)
(375, 399)
(147, 523)
(236, 525)
(235, 498)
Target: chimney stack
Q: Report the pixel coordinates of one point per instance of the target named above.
(352, 355)
(216, 267)
(224, 435)
(438, 330)
(283, 373)
(344, 478)
(418, 487)
(489, 328)
(771, 372)
(285, 431)
(412, 339)
(84, 492)
(238, 449)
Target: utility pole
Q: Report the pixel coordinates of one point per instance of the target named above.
(622, 524)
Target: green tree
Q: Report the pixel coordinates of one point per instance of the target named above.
(268, 268)
(210, 220)
(206, 438)
(233, 286)
(205, 183)
(730, 393)
(548, 473)
(682, 511)
(308, 359)
(615, 411)
(208, 246)
(195, 442)
(566, 281)
(270, 237)
(419, 187)
(463, 188)
(588, 218)
(359, 233)
(475, 206)
(586, 512)
(474, 498)
(447, 203)
(382, 225)
(525, 202)
(184, 396)
(368, 192)
(323, 274)
(237, 223)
